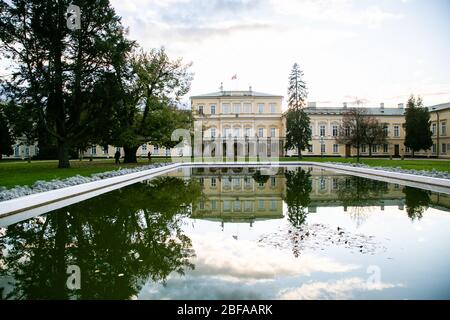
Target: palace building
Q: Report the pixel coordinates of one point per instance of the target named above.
(251, 120)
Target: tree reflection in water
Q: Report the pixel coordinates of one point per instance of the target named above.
(359, 193)
(297, 199)
(416, 201)
(119, 240)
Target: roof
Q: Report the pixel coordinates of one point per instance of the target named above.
(241, 93)
(373, 111)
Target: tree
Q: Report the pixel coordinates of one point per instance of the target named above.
(6, 137)
(352, 130)
(298, 189)
(56, 70)
(374, 133)
(417, 126)
(416, 201)
(298, 130)
(150, 112)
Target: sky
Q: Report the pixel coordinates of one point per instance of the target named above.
(374, 51)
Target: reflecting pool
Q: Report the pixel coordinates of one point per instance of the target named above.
(222, 233)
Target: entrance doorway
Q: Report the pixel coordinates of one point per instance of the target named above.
(396, 150)
(348, 149)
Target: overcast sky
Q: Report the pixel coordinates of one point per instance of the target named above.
(381, 51)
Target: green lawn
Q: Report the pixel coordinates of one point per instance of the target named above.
(24, 173)
(416, 164)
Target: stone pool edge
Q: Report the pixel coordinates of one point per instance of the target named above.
(17, 205)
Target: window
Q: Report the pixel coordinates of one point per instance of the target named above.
(226, 132)
(27, 150)
(213, 109)
(272, 107)
(335, 130)
(213, 182)
(105, 150)
(374, 148)
(94, 150)
(156, 149)
(226, 205)
(363, 148)
(433, 148)
(261, 132)
(201, 205)
(322, 148)
(237, 206)
(396, 131)
(322, 130)
(310, 148)
(213, 204)
(385, 147)
(117, 149)
(248, 206)
(443, 128)
(312, 129)
(247, 182)
(200, 110)
(272, 132)
(407, 149)
(386, 130)
(347, 131)
(273, 182)
(247, 108)
(167, 152)
(201, 181)
(213, 132)
(261, 107)
(433, 129)
(334, 183)
(247, 132)
(144, 147)
(335, 148)
(273, 205)
(260, 204)
(16, 151)
(237, 132)
(444, 148)
(237, 108)
(225, 108)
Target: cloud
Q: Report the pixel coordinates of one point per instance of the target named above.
(340, 289)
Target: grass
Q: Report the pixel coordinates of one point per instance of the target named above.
(414, 164)
(24, 173)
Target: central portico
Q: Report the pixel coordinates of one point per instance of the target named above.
(242, 118)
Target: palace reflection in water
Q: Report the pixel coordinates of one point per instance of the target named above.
(133, 236)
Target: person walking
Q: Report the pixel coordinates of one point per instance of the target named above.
(149, 156)
(117, 157)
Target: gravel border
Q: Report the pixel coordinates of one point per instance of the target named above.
(426, 173)
(42, 186)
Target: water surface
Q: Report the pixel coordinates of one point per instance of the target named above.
(304, 233)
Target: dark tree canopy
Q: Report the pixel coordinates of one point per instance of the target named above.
(417, 126)
(375, 134)
(57, 71)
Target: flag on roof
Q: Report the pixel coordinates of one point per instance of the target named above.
(234, 77)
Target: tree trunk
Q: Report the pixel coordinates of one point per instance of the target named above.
(370, 150)
(412, 153)
(357, 154)
(299, 152)
(130, 154)
(63, 155)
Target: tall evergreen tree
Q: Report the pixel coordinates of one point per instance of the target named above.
(298, 130)
(57, 69)
(417, 126)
